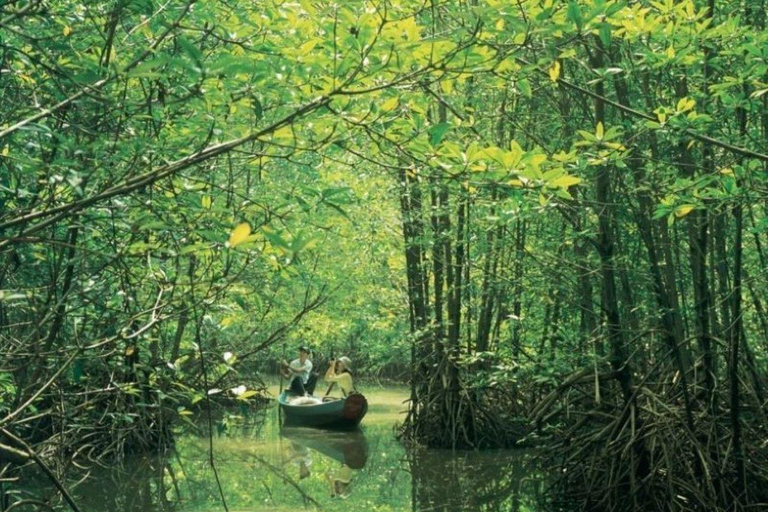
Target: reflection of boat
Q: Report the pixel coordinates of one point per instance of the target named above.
(349, 448)
(343, 413)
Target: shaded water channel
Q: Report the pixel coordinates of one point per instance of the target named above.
(265, 468)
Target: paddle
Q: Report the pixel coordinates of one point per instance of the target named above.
(330, 387)
(281, 368)
(280, 409)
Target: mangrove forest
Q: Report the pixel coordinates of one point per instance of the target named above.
(515, 246)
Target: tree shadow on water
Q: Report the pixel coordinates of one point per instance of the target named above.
(491, 481)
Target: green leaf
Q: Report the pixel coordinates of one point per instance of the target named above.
(437, 132)
(524, 86)
(276, 240)
(145, 69)
(193, 248)
(190, 49)
(574, 14)
(337, 208)
(258, 108)
(605, 34)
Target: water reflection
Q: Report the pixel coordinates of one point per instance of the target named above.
(145, 484)
(265, 467)
(348, 449)
(494, 481)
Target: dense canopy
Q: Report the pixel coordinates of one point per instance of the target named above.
(549, 217)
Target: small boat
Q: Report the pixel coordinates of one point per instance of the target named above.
(340, 413)
(349, 448)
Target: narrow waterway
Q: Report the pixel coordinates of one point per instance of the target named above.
(262, 467)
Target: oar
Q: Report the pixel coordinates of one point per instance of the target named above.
(280, 409)
(281, 369)
(330, 387)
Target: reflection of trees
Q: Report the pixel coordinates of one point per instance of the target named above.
(137, 484)
(147, 483)
(488, 482)
(248, 472)
(156, 482)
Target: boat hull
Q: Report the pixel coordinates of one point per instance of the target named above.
(342, 414)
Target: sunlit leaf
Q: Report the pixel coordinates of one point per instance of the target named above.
(565, 181)
(239, 234)
(554, 71)
(683, 210)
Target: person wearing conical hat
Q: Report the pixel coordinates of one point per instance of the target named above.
(340, 372)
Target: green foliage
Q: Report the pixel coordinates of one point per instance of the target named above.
(186, 188)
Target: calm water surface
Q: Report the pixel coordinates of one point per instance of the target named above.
(262, 468)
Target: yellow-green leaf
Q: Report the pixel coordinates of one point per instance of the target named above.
(67, 30)
(388, 105)
(683, 210)
(565, 181)
(307, 47)
(685, 104)
(554, 71)
(239, 234)
(247, 394)
(600, 131)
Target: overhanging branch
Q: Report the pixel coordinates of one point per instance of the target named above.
(691, 133)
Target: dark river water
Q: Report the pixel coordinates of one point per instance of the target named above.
(264, 468)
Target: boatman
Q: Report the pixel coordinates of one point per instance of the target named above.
(300, 372)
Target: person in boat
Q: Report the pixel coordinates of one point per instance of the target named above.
(340, 372)
(303, 381)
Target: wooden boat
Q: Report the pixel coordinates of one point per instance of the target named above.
(349, 448)
(340, 414)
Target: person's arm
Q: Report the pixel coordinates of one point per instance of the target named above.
(299, 367)
(294, 370)
(331, 375)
